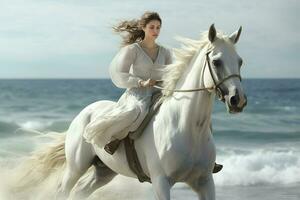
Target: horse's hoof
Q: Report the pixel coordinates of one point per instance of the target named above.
(217, 168)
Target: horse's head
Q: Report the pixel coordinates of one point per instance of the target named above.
(222, 70)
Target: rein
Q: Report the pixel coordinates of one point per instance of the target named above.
(215, 87)
(186, 90)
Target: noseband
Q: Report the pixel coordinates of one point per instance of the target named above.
(216, 86)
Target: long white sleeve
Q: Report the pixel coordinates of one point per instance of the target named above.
(169, 57)
(120, 67)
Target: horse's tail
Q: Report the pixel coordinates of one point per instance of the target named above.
(41, 163)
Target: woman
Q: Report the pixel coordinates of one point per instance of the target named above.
(137, 67)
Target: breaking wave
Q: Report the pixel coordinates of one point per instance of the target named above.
(259, 167)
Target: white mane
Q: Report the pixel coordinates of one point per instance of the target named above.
(183, 56)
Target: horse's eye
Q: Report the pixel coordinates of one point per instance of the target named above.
(217, 63)
(240, 62)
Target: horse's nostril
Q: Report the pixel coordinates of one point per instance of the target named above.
(234, 101)
(245, 101)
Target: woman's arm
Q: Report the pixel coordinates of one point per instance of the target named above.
(120, 67)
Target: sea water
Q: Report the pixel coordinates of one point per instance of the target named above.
(259, 148)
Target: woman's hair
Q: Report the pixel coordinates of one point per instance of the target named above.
(133, 28)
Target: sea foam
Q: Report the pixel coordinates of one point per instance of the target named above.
(261, 166)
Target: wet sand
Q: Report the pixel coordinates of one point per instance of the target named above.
(128, 188)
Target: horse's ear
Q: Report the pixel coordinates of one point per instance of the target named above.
(234, 37)
(212, 33)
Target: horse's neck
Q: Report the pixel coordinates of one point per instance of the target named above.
(193, 109)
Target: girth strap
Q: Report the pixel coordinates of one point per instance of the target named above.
(133, 160)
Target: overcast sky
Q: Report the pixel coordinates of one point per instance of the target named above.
(73, 39)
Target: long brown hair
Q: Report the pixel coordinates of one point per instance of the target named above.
(133, 28)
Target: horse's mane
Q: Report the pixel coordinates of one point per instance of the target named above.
(183, 56)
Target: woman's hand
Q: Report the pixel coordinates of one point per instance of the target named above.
(147, 83)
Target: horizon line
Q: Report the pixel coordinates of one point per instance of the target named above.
(52, 78)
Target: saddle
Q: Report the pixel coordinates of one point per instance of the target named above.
(130, 150)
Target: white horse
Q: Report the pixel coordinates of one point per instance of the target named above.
(177, 145)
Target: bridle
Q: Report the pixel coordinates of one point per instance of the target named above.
(216, 86)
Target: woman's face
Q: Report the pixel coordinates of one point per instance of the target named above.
(152, 29)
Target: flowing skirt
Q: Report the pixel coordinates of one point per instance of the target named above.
(117, 120)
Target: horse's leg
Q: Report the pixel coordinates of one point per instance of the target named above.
(69, 179)
(79, 156)
(204, 187)
(161, 186)
(100, 176)
(76, 167)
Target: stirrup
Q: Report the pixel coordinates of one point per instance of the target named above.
(217, 168)
(112, 146)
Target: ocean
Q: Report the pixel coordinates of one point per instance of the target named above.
(259, 148)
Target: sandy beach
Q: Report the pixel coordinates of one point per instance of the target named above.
(128, 188)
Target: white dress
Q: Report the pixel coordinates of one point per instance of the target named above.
(129, 66)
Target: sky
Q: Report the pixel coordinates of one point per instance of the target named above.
(74, 39)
